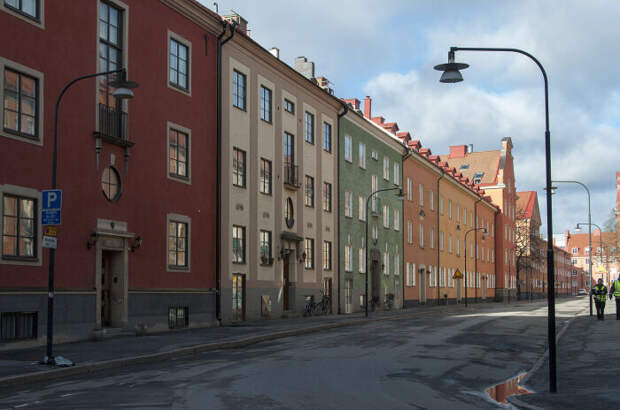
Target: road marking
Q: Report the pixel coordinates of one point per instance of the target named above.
(67, 395)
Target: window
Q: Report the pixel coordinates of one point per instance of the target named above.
(396, 264)
(327, 137)
(327, 197)
(21, 104)
(265, 104)
(289, 106)
(18, 325)
(421, 195)
(110, 49)
(458, 246)
(179, 61)
(348, 204)
(410, 232)
(386, 263)
(265, 247)
(348, 258)
(471, 219)
(396, 173)
(396, 219)
(178, 154)
(238, 245)
(386, 168)
(309, 261)
(289, 214)
(327, 255)
(111, 184)
(28, 8)
(374, 155)
(431, 200)
(309, 131)
(449, 209)
(421, 236)
(178, 317)
(374, 183)
(458, 213)
(289, 149)
(361, 206)
(450, 243)
(362, 156)
(441, 241)
(386, 216)
(265, 176)
(362, 261)
(440, 205)
(19, 233)
(309, 194)
(375, 233)
(409, 193)
(432, 238)
(239, 90)
(348, 154)
(177, 244)
(238, 168)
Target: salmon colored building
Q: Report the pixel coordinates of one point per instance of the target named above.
(493, 171)
(449, 223)
(529, 245)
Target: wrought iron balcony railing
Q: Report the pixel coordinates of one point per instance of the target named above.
(291, 176)
(113, 126)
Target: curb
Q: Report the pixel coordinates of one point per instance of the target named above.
(47, 375)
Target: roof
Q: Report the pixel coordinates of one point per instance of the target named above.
(526, 201)
(485, 162)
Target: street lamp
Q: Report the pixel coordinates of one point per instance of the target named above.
(589, 228)
(590, 225)
(122, 92)
(467, 233)
(451, 74)
(400, 198)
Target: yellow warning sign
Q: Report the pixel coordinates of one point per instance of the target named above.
(49, 231)
(457, 274)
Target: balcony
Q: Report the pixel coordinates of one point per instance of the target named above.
(291, 176)
(113, 126)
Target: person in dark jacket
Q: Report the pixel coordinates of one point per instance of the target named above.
(599, 292)
(615, 291)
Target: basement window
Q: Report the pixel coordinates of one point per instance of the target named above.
(178, 317)
(18, 325)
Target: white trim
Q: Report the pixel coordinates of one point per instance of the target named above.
(172, 217)
(6, 63)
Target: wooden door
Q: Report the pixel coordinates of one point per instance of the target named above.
(106, 280)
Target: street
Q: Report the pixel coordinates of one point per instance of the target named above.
(430, 361)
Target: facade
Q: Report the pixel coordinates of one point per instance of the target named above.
(450, 228)
(603, 255)
(279, 185)
(529, 245)
(370, 160)
(493, 171)
(563, 272)
(136, 243)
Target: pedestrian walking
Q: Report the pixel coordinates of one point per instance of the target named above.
(599, 292)
(614, 290)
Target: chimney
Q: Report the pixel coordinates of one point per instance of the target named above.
(353, 102)
(304, 67)
(458, 151)
(275, 51)
(367, 107)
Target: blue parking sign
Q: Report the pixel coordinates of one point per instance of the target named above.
(51, 206)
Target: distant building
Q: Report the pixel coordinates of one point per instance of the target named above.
(529, 245)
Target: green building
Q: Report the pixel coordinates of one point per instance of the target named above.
(370, 159)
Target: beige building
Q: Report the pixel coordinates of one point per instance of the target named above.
(279, 186)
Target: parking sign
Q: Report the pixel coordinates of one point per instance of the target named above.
(51, 206)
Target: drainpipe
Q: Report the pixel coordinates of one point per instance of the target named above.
(218, 228)
(438, 271)
(345, 107)
(476, 245)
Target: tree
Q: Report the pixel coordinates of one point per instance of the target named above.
(528, 246)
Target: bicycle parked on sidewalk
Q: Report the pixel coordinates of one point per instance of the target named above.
(314, 308)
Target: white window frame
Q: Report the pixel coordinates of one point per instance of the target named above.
(421, 188)
(188, 132)
(396, 173)
(172, 217)
(396, 219)
(421, 236)
(348, 263)
(40, 23)
(361, 206)
(348, 204)
(348, 143)
(431, 199)
(410, 232)
(179, 39)
(362, 155)
(386, 168)
(386, 216)
(409, 193)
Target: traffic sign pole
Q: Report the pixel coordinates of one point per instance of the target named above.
(51, 215)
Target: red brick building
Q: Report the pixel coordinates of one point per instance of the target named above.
(150, 182)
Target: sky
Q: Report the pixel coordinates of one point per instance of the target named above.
(387, 50)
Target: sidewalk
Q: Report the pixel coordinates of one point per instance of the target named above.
(21, 366)
(588, 368)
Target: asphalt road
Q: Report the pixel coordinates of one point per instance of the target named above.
(427, 362)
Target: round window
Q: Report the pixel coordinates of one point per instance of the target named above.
(111, 184)
(288, 215)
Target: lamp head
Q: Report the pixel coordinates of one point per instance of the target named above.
(123, 86)
(578, 228)
(451, 73)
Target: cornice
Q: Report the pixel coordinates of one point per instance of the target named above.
(196, 13)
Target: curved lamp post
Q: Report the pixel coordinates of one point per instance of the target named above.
(484, 231)
(122, 92)
(400, 197)
(589, 227)
(600, 237)
(452, 74)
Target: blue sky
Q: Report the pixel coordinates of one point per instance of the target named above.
(387, 50)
